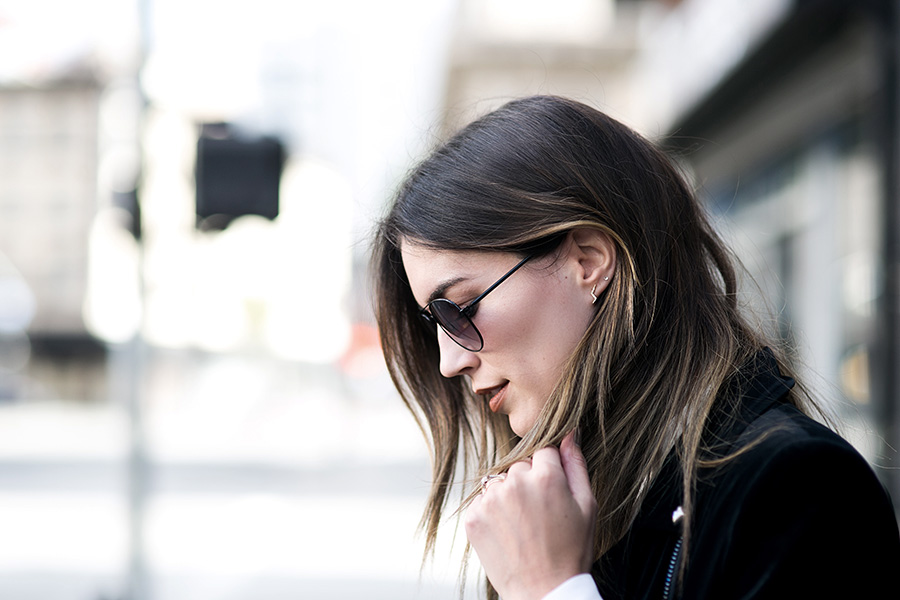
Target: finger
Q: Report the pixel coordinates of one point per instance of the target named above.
(472, 520)
(546, 458)
(575, 467)
(521, 466)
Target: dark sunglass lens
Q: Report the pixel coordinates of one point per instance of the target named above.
(448, 315)
(455, 323)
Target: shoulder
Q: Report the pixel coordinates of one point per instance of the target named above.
(783, 459)
(785, 454)
(781, 440)
(795, 502)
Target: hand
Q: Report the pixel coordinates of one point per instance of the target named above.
(535, 529)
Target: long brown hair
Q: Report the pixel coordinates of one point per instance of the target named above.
(668, 334)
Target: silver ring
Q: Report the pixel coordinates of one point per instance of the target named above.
(489, 479)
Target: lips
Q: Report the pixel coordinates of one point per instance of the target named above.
(496, 395)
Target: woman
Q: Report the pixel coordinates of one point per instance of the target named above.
(555, 307)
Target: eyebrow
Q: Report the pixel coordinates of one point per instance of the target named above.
(441, 290)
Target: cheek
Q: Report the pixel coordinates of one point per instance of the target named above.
(549, 331)
(560, 321)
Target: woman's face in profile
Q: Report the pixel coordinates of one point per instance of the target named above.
(531, 323)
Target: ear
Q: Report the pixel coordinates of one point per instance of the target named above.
(594, 253)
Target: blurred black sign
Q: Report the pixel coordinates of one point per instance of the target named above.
(236, 176)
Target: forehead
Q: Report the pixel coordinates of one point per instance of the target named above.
(431, 270)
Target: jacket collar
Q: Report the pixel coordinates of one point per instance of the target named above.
(754, 390)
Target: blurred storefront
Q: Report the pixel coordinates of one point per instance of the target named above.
(794, 146)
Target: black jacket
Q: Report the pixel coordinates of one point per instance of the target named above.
(799, 514)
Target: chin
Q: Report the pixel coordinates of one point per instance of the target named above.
(520, 428)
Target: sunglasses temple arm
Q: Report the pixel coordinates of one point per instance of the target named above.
(496, 283)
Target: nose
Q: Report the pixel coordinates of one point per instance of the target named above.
(455, 360)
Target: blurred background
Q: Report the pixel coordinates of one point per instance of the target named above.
(193, 404)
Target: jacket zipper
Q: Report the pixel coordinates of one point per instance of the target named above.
(669, 588)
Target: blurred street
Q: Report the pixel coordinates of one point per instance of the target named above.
(311, 491)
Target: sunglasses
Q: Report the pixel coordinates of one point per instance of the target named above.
(456, 321)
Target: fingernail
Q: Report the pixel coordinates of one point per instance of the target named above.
(577, 437)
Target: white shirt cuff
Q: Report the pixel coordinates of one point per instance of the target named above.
(580, 587)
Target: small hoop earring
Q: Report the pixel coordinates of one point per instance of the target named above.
(606, 278)
(593, 289)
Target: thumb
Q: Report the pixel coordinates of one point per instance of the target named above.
(575, 468)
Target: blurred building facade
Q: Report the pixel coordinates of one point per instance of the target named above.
(48, 157)
(49, 149)
(795, 149)
(581, 49)
(55, 75)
